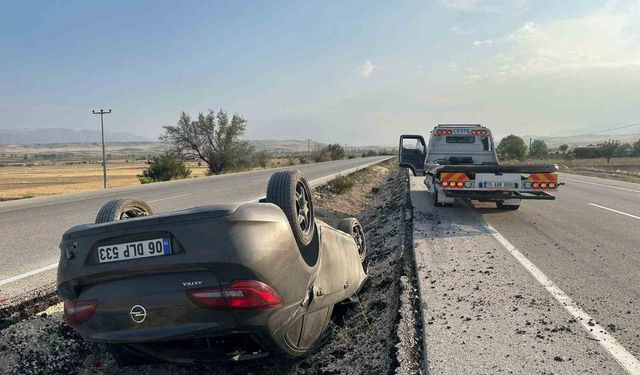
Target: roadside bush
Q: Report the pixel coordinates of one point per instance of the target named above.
(330, 152)
(164, 168)
(341, 184)
(262, 158)
(303, 160)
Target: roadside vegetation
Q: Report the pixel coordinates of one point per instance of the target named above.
(609, 159)
(164, 168)
(341, 184)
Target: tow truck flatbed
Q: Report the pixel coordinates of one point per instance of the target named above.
(460, 161)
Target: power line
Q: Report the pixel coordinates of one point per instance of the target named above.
(618, 128)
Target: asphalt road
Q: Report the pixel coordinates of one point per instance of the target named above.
(551, 288)
(30, 229)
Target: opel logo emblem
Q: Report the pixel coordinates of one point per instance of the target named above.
(138, 314)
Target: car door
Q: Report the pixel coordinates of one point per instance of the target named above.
(413, 151)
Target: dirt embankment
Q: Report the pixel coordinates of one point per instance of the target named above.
(376, 336)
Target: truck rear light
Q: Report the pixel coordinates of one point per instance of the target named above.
(460, 184)
(242, 294)
(552, 185)
(444, 132)
(543, 185)
(536, 185)
(467, 184)
(78, 312)
(479, 132)
(527, 185)
(444, 183)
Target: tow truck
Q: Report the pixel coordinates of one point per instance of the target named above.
(461, 162)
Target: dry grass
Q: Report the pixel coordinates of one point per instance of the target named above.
(17, 182)
(27, 181)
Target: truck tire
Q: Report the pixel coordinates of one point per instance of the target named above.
(507, 207)
(121, 209)
(290, 191)
(352, 227)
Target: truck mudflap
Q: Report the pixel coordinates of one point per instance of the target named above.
(498, 195)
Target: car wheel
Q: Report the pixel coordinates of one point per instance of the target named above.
(290, 191)
(507, 207)
(352, 227)
(121, 209)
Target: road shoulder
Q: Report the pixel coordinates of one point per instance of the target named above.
(483, 312)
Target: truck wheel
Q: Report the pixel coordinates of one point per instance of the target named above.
(507, 207)
(352, 227)
(121, 209)
(290, 191)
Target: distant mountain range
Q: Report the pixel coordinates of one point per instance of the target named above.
(61, 135)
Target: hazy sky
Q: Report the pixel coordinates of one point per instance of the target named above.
(357, 72)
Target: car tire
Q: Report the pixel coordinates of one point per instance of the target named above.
(507, 207)
(123, 208)
(352, 227)
(290, 191)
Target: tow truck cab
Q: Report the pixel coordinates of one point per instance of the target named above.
(460, 161)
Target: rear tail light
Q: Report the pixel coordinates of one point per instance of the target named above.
(540, 185)
(244, 294)
(444, 132)
(445, 183)
(78, 312)
(460, 184)
(479, 132)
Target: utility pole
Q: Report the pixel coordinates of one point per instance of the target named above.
(104, 155)
(308, 150)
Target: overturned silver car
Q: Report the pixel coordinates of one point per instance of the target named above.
(220, 282)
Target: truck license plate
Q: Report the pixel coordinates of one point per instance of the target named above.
(500, 185)
(134, 250)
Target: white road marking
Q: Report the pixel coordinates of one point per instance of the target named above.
(597, 184)
(164, 199)
(612, 210)
(630, 363)
(27, 274)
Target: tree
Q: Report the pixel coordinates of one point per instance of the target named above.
(164, 168)
(512, 147)
(262, 158)
(636, 147)
(563, 147)
(609, 148)
(213, 138)
(539, 149)
(329, 152)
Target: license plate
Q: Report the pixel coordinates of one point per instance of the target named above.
(500, 185)
(134, 250)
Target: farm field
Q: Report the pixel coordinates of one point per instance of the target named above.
(23, 181)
